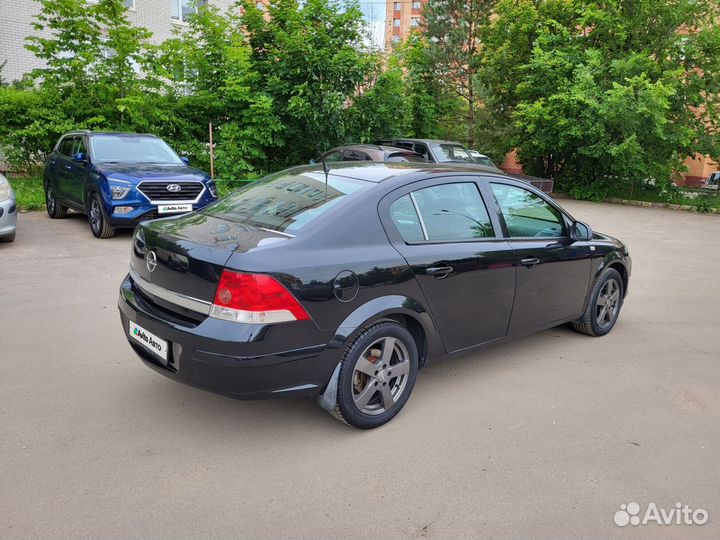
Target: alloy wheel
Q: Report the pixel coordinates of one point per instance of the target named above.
(380, 376)
(608, 303)
(95, 215)
(50, 200)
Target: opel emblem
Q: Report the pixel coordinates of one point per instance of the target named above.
(173, 188)
(151, 261)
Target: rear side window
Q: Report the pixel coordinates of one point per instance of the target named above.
(444, 213)
(66, 146)
(355, 155)
(286, 202)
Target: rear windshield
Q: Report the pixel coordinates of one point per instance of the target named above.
(451, 152)
(405, 157)
(285, 202)
(132, 149)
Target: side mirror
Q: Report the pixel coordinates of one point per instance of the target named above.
(80, 157)
(581, 231)
(185, 160)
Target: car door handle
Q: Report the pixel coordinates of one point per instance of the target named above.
(439, 272)
(530, 262)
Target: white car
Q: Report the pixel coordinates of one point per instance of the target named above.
(8, 211)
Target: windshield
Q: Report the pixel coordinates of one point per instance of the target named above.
(451, 152)
(132, 149)
(285, 202)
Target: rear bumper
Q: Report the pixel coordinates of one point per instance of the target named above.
(235, 360)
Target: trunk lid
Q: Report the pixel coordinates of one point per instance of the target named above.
(189, 252)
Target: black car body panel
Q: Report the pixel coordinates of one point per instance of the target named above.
(346, 267)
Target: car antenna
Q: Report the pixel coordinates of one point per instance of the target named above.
(326, 170)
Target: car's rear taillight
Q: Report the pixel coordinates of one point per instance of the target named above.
(255, 299)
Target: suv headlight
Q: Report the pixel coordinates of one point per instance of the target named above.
(5, 189)
(119, 188)
(212, 188)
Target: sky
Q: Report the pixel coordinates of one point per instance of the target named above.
(374, 12)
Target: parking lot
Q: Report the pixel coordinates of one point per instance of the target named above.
(544, 437)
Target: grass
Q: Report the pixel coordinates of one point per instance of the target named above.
(701, 199)
(29, 193)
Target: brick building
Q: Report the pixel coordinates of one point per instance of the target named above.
(161, 17)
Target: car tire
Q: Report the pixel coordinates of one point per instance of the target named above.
(97, 218)
(8, 238)
(368, 393)
(54, 209)
(604, 304)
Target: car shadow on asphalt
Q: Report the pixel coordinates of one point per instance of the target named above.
(181, 405)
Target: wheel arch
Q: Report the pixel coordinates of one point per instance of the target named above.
(404, 310)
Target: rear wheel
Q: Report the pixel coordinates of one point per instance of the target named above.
(97, 218)
(54, 209)
(377, 375)
(604, 305)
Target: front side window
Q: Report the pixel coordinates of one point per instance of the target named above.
(444, 213)
(286, 201)
(79, 146)
(526, 214)
(132, 149)
(66, 146)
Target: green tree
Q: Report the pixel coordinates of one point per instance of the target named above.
(453, 30)
(312, 64)
(605, 95)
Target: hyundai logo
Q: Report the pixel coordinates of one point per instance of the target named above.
(173, 188)
(151, 261)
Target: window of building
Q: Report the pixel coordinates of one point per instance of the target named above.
(396, 23)
(260, 6)
(416, 4)
(396, 39)
(130, 4)
(414, 22)
(180, 10)
(397, 6)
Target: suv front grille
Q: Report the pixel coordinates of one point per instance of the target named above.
(157, 191)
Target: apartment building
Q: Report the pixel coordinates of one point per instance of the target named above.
(162, 17)
(401, 18)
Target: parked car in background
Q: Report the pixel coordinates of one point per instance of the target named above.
(437, 151)
(121, 179)
(371, 152)
(8, 211)
(712, 182)
(341, 284)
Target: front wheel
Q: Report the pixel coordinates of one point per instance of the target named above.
(604, 305)
(97, 218)
(54, 209)
(377, 375)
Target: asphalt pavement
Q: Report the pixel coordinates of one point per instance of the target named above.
(545, 437)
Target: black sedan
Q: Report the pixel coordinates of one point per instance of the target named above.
(342, 284)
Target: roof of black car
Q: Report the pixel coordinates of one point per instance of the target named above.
(377, 171)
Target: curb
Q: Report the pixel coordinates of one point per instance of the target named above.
(667, 206)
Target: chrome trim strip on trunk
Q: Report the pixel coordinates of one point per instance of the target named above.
(187, 302)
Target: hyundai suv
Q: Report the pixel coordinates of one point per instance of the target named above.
(121, 179)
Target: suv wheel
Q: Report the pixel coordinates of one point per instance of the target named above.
(97, 218)
(377, 375)
(603, 308)
(54, 209)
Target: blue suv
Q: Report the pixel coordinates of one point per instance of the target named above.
(121, 179)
